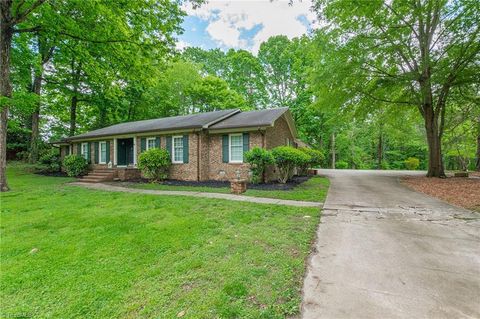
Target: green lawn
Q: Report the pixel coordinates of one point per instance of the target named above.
(315, 190)
(70, 252)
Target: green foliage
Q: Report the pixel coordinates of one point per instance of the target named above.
(412, 163)
(259, 159)
(341, 165)
(212, 93)
(316, 158)
(49, 162)
(154, 163)
(287, 159)
(75, 165)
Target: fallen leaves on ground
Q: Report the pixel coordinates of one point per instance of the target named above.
(459, 191)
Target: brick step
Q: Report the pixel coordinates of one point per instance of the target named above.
(91, 180)
(102, 178)
(103, 170)
(94, 173)
(99, 177)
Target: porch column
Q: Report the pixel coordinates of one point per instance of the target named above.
(115, 151)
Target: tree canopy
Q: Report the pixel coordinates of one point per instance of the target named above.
(379, 81)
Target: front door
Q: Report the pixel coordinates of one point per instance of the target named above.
(124, 151)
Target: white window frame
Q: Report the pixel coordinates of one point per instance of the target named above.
(84, 154)
(230, 148)
(173, 149)
(154, 139)
(100, 152)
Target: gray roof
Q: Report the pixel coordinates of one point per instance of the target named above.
(190, 121)
(251, 119)
(224, 119)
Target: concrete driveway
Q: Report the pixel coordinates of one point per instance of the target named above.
(384, 251)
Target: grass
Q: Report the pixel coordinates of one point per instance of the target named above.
(315, 190)
(70, 252)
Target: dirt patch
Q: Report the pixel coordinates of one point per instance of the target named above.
(459, 191)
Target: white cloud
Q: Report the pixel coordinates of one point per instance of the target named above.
(180, 45)
(227, 19)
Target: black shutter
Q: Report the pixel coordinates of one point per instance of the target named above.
(108, 152)
(143, 144)
(95, 152)
(225, 155)
(185, 148)
(157, 142)
(169, 146)
(89, 152)
(246, 142)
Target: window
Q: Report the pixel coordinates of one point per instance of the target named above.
(236, 148)
(151, 143)
(288, 142)
(103, 152)
(85, 150)
(177, 149)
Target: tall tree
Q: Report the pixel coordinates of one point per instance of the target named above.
(420, 50)
(9, 19)
(129, 34)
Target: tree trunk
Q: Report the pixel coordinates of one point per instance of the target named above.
(37, 86)
(6, 33)
(434, 140)
(73, 115)
(333, 150)
(477, 165)
(380, 150)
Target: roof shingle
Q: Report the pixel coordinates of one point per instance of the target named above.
(224, 119)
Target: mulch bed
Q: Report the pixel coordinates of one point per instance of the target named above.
(459, 191)
(297, 180)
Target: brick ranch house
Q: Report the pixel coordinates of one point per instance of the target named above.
(203, 146)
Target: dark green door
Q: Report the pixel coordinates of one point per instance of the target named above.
(124, 151)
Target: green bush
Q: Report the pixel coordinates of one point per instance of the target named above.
(75, 165)
(49, 162)
(316, 157)
(412, 163)
(341, 165)
(154, 163)
(384, 165)
(287, 159)
(259, 159)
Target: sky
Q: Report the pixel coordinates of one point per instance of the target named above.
(244, 24)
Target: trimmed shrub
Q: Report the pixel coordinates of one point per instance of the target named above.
(412, 163)
(154, 163)
(49, 162)
(341, 165)
(316, 158)
(75, 165)
(258, 158)
(287, 159)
